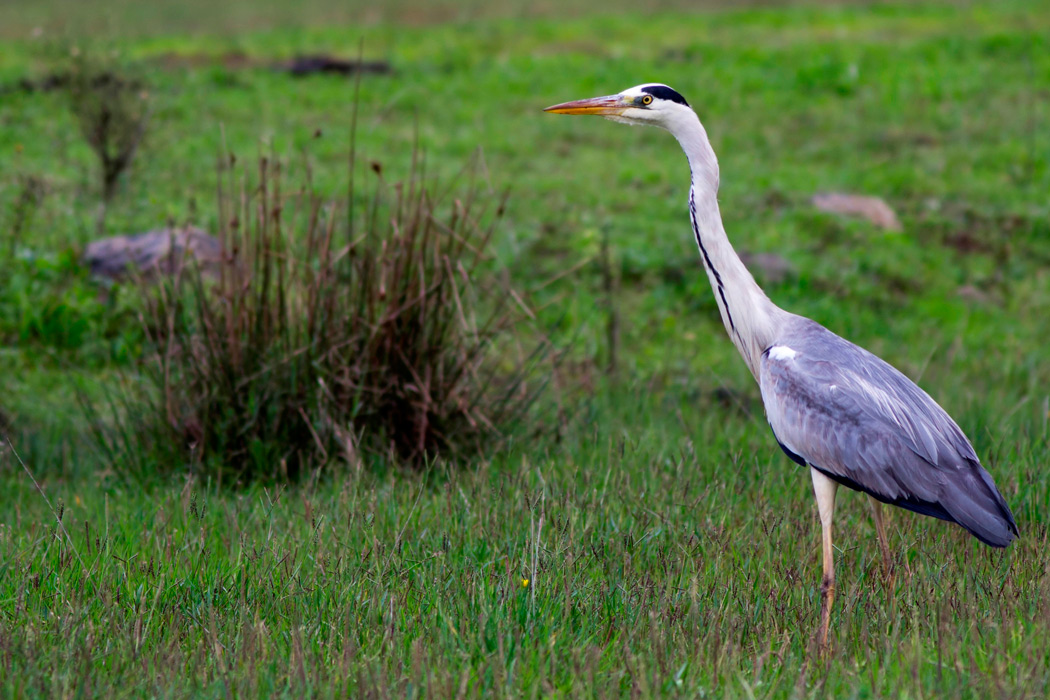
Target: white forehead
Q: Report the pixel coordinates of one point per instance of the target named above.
(637, 90)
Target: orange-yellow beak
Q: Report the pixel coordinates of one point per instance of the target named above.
(610, 104)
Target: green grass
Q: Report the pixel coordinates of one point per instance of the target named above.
(618, 563)
(669, 547)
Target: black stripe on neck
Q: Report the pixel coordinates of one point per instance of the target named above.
(707, 259)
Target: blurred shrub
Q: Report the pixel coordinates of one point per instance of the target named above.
(317, 340)
(111, 105)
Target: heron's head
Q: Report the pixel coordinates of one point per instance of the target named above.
(651, 104)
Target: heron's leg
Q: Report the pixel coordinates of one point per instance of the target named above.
(884, 543)
(824, 488)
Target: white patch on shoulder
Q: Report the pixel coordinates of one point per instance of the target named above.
(781, 352)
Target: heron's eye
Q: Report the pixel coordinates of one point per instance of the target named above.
(647, 99)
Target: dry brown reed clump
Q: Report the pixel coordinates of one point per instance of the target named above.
(328, 335)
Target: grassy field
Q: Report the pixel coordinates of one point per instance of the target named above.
(653, 540)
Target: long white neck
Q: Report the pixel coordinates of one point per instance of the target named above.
(750, 318)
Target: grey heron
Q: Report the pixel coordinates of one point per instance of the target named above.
(853, 419)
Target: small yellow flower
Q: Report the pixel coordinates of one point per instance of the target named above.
(76, 499)
(524, 583)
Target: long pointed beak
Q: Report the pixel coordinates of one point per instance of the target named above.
(610, 104)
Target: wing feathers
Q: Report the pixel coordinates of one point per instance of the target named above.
(863, 423)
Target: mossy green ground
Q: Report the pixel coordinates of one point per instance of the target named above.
(662, 545)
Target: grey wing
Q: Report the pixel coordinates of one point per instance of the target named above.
(852, 416)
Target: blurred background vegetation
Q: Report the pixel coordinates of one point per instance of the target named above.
(635, 476)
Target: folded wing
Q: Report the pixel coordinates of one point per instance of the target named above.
(852, 416)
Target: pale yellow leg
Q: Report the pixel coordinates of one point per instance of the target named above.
(824, 489)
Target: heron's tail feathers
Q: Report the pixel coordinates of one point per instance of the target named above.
(977, 505)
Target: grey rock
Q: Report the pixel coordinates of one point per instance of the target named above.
(874, 209)
(161, 252)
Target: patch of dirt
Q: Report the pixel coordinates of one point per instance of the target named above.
(321, 63)
(307, 64)
(62, 80)
(966, 243)
(970, 231)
